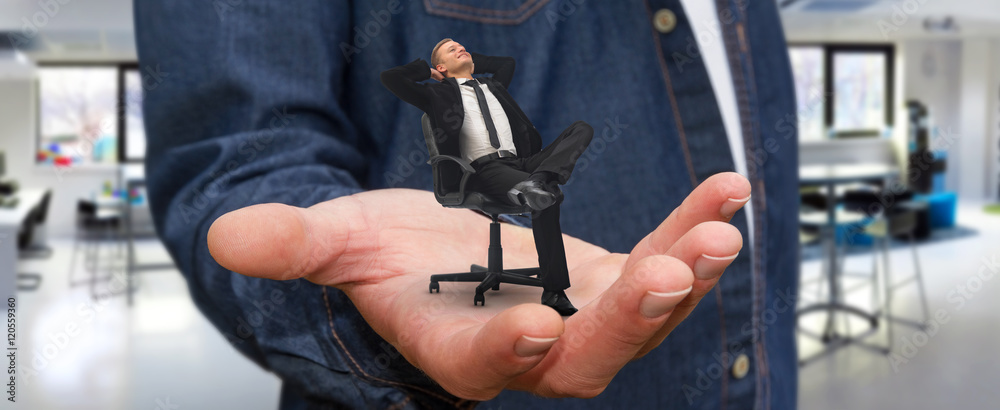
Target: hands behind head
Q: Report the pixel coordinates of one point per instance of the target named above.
(381, 254)
(435, 74)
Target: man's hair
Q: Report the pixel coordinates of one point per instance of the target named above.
(435, 60)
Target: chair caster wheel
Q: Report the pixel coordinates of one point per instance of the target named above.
(479, 300)
(497, 286)
(435, 286)
(874, 322)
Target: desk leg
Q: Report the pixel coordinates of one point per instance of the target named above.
(130, 251)
(830, 237)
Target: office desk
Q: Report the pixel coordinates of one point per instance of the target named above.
(831, 176)
(132, 265)
(11, 220)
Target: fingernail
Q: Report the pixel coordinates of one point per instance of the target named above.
(732, 205)
(656, 304)
(705, 266)
(528, 346)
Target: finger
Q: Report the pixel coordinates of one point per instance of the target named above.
(479, 362)
(716, 199)
(606, 334)
(708, 249)
(282, 242)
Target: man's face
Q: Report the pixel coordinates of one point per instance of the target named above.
(454, 58)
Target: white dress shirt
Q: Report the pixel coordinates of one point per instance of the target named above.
(474, 139)
(704, 19)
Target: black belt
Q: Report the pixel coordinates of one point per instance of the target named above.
(489, 157)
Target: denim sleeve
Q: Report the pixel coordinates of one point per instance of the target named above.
(244, 105)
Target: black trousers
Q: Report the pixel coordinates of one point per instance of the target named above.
(494, 178)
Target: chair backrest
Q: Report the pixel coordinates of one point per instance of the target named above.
(447, 175)
(429, 137)
(43, 207)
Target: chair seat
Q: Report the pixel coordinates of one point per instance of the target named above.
(478, 201)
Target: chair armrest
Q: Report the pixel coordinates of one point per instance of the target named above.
(467, 171)
(466, 166)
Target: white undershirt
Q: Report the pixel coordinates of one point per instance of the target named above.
(704, 20)
(474, 139)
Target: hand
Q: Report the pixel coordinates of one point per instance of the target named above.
(435, 74)
(381, 255)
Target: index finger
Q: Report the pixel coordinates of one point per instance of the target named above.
(716, 199)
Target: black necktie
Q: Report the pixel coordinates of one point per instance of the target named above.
(485, 108)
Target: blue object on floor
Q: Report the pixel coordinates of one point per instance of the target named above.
(937, 183)
(941, 207)
(937, 180)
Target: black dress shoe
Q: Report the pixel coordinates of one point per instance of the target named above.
(531, 193)
(558, 301)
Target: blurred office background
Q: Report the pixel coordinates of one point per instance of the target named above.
(899, 106)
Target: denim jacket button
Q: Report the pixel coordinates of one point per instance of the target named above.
(664, 20)
(741, 366)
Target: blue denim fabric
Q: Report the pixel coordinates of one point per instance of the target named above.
(273, 101)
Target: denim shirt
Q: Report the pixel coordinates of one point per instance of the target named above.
(255, 101)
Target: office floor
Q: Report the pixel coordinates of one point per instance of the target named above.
(955, 366)
(76, 353)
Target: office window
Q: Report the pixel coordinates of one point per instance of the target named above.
(843, 90)
(77, 120)
(807, 68)
(134, 141)
(859, 81)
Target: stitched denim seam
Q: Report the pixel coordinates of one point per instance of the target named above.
(483, 10)
(485, 19)
(759, 235)
(347, 353)
(673, 99)
(761, 207)
(750, 131)
(725, 348)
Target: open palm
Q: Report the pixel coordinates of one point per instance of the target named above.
(381, 255)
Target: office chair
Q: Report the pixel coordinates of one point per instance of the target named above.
(26, 237)
(30, 245)
(450, 174)
(899, 219)
(94, 226)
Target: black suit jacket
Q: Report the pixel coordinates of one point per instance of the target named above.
(443, 101)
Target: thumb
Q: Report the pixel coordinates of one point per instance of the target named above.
(282, 242)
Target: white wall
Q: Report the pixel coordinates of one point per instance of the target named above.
(24, 16)
(993, 129)
(976, 133)
(932, 74)
(17, 138)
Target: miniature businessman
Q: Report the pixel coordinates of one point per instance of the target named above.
(484, 125)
